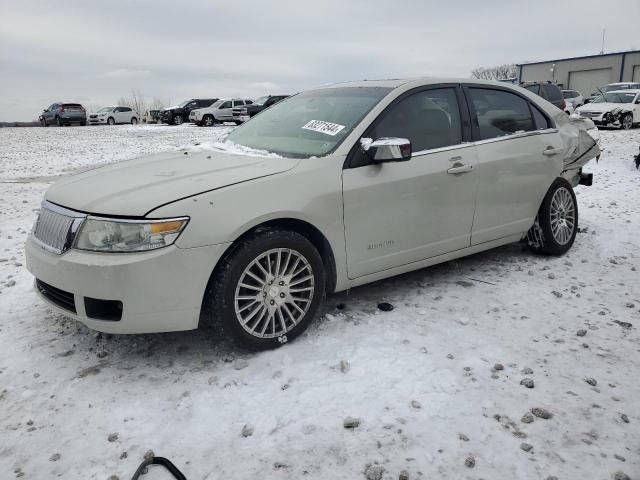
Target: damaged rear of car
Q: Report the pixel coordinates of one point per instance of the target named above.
(618, 109)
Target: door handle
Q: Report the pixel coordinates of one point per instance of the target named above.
(460, 169)
(549, 151)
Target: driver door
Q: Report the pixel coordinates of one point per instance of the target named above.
(398, 213)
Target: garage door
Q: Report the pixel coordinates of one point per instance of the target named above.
(636, 73)
(586, 81)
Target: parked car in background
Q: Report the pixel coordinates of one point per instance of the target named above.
(151, 116)
(63, 114)
(611, 87)
(617, 108)
(242, 114)
(220, 112)
(180, 113)
(370, 179)
(573, 98)
(114, 115)
(547, 90)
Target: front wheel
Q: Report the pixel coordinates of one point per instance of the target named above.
(208, 121)
(268, 289)
(44, 123)
(556, 225)
(59, 122)
(627, 121)
(111, 121)
(178, 120)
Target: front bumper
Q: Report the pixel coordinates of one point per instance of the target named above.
(98, 120)
(160, 290)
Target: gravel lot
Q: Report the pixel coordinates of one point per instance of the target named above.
(503, 365)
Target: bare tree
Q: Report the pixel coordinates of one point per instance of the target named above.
(135, 100)
(500, 72)
(157, 104)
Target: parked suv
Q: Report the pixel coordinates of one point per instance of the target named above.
(63, 114)
(151, 116)
(547, 90)
(113, 115)
(573, 97)
(242, 114)
(179, 114)
(219, 112)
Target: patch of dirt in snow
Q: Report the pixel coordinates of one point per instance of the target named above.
(434, 382)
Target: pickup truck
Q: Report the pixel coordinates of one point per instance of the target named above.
(242, 114)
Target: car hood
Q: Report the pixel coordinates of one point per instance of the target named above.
(136, 187)
(603, 107)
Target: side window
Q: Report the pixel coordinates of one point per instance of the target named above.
(225, 105)
(248, 102)
(125, 109)
(191, 105)
(552, 93)
(540, 120)
(534, 89)
(429, 119)
(497, 113)
(238, 103)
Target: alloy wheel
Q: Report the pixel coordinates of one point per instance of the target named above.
(177, 119)
(627, 122)
(274, 293)
(563, 216)
(208, 121)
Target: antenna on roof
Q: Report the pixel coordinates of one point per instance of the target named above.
(603, 33)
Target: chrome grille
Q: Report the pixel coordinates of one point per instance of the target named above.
(56, 227)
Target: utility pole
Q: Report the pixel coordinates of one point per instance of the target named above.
(603, 33)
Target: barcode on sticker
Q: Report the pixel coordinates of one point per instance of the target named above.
(327, 128)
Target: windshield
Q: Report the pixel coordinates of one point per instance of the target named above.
(615, 98)
(105, 109)
(310, 124)
(183, 104)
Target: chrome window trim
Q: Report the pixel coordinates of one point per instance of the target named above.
(512, 136)
(458, 146)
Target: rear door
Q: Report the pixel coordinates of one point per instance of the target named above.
(519, 155)
(399, 213)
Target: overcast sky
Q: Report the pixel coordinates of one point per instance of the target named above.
(95, 52)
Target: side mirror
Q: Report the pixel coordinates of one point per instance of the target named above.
(387, 149)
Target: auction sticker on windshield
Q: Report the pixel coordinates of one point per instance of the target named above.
(327, 128)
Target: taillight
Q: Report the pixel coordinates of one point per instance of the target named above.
(563, 105)
(62, 109)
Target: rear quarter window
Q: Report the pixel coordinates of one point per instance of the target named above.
(552, 93)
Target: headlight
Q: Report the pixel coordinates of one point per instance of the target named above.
(105, 235)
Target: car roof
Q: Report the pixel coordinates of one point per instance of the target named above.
(624, 83)
(628, 90)
(410, 82)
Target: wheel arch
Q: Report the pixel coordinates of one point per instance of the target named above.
(304, 228)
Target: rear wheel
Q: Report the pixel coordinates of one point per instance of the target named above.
(178, 120)
(627, 121)
(268, 289)
(556, 225)
(134, 121)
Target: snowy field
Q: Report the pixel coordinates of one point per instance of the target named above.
(435, 383)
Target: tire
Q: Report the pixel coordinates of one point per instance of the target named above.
(59, 122)
(44, 123)
(134, 121)
(556, 225)
(272, 318)
(626, 122)
(178, 120)
(208, 121)
(111, 121)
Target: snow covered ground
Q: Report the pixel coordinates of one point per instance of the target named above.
(435, 383)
